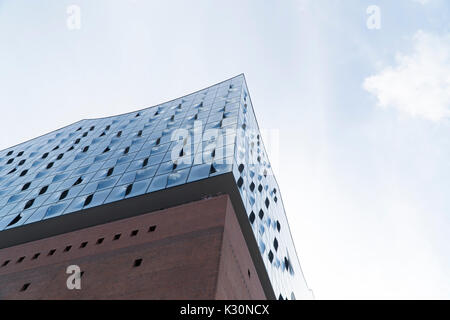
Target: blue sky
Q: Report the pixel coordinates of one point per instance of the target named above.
(362, 114)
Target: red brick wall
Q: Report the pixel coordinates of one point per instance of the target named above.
(196, 251)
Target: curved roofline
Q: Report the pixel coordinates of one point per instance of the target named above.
(121, 114)
(168, 101)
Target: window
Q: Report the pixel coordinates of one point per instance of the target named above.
(137, 263)
(15, 220)
(26, 186)
(134, 233)
(28, 204)
(152, 229)
(25, 287)
(63, 194)
(43, 190)
(79, 180)
(84, 244)
(88, 200)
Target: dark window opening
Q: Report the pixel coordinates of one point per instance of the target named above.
(134, 233)
(261, 214)
(59, 157)
(100, 241)
(50, 165)
(10, 161)
(79, 180)
(21, 162)
(63, 194)
(137, 263)
(145, 163)
(24, 172)
(13, 170)
(106, 149)
(119, 133)
(128, 190)
(15, 220)
(286, 263)
(127, 149)
(45, 155)
(25, 287)
(152, 229)
(85, 149)
(84, 244)
(88, 200)
(43, 190)
(20, 259)
(270, 256)
(10, 153)
(6, 263)
(117, 236)
(26, 186)
(67, 249)
(35, 256)
(267, 203)
(51, 252)
(20, 153)
(28, 204)
(252, 217)
(110, 171)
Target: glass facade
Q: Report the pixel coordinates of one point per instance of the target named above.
(99, 161)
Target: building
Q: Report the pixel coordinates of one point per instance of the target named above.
(175, 201)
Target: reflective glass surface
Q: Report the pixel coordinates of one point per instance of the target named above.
(98, 161)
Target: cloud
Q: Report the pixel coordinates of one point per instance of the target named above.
(422, 1)
(419, 83)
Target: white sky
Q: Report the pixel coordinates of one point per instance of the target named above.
(363, 163)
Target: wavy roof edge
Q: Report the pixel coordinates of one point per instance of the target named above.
(125, 113)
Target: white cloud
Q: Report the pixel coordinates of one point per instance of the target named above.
(419, 83)
(422, 1)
